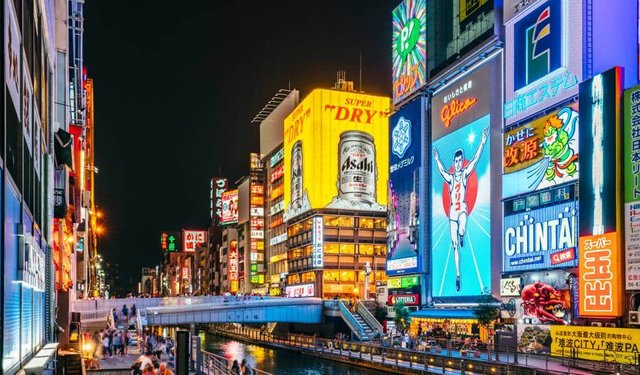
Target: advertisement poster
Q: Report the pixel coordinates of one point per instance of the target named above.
(541, 238)
(546, 303)
(534, 339)
(229, 207)
(617, 345)
(600, 276)
(542, 153)
(337, 146)
(631, 162)
(541, 70)
(403, 247)
(409, 48)
(461, 212)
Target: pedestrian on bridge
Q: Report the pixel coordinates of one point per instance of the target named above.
(125, 313)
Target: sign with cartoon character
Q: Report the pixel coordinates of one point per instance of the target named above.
(461, 211)
(542, 153)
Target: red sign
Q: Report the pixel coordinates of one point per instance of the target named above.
(163, 241)
(192, 239)
(600, 276)
(563, 256)
(455, 108)
(276, 174)
(233, 264)
(407, 299)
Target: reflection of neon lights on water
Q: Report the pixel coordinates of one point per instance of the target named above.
(597, 167)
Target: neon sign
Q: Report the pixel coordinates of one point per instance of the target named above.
(456, 108)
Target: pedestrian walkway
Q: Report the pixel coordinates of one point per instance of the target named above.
(451, 363)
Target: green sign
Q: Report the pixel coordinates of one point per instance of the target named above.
(254, 268)
(408, 282)
(408, 37)
(631, 159)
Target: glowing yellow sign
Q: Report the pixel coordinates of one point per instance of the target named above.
(336, 153)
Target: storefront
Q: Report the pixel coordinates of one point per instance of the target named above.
(445, 323)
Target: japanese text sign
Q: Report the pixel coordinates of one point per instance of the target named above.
(600, 276)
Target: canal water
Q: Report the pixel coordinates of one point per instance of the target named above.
(279, 361)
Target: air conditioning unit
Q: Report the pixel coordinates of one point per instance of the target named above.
(634, 317)
(596, 324)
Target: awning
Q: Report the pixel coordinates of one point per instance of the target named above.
(444, 314)
(63, 148)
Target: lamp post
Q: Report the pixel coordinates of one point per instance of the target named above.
(367, 271)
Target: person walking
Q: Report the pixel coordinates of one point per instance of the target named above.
(127, 338)
(235, 368)
(105, 346)
(245, 368)
(125, 313)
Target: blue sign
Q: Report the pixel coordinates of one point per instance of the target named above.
(403, 246)
(538, 44)
(541, 238)
(461, 211)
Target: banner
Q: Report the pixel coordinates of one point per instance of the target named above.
(632, 187)
(618, 345)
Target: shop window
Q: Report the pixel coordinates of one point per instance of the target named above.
(349, 276)
(293, 279)
(347, 248)
(309, 277)
(365, 223)
(331, 248)
(365, 249)
(329, 275)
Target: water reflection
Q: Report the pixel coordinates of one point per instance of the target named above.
(280, 362)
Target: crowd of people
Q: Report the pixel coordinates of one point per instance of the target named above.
(148, 364)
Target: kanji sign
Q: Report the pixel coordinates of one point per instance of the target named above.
(619, 345)
(600, 276)
(192, 239)
(632, 186)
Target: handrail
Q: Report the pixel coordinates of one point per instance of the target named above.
(226, 363)
(233, 304)
(94, 314)
(368, 317)
(350, 320)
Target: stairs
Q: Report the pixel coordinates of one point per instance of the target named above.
(367, 330)
(70, 363)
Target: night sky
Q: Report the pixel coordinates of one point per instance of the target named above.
(176, 88)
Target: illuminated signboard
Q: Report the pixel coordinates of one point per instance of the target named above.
(192, 239)
(278, 239)
(31, 263)
(632, 187)
(304, 290)
(233, 265)
(510, 287)
(405, 159)
(318, 242)
(12, 55)
(513, 8)
(276, 157)
(409, 42)
(460, 202)
(615, 345)
(600, 276)
(229, 207)
(456, 27)
(336, 153)
(600, 200)
(169, 241)
(410, 282)
(276, 174)
(256, 224)
(541, 238)
(255, 164)
(276, 192)
(407, 299)
(542, 153)
(544, 57)
(465, 99)
(218, 186)
(276, 208)
(394, 283)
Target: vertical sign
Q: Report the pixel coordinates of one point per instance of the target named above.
(218, 186)
(318, 242)
(632, 187)
(233, 266)
(403, 201)
(409, 55)
(600, 287)
(192, 239)
(600, 187)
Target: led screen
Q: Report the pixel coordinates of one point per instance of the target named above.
(409, 54)
(405, 159)
(461, 211)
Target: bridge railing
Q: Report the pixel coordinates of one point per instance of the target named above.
(217, 364)
(238, 302)
(355, 326)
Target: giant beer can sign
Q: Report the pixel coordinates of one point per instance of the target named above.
(357, 165)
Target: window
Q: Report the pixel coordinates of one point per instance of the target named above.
(380, 250)
(365, 223)
(338, 221)
(309, 277)
(365, 249)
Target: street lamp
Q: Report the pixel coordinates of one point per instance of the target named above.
(367, 271)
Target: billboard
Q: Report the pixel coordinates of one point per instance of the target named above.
(632, 187)
(303, 290)
(602, 344)
(192, 239)
(218, 186)
(233, 266)
(600, 276)
(405, 161)
(461, 211)
(409, 48)
(170, 241)
(229, 207)
(336, 153)
(544, 57)
(455, 28)
(318, 242)
(541, 238)
(542, 153)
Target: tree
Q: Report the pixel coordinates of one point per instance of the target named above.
(401, 319)
(380, 314)
(487, 311)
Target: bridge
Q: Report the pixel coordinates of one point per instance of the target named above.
(204, 310)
